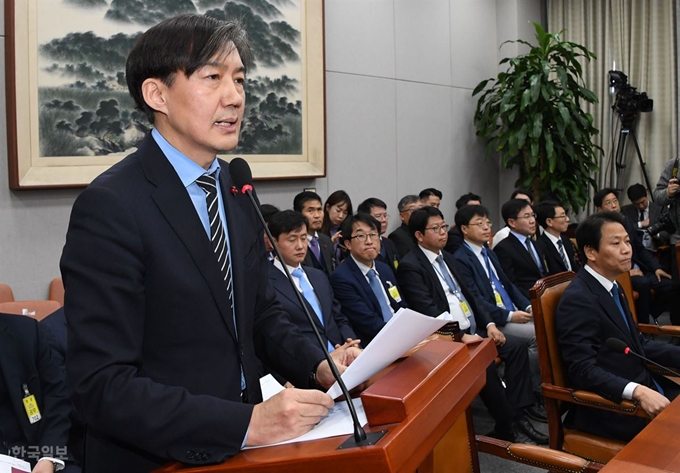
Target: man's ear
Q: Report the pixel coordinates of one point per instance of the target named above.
(590, 253)
(464, 230)
(153, 91)
(419, 237)
(511, 225)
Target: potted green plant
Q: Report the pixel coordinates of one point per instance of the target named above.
(533, 116)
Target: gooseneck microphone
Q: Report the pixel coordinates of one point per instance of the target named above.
(243, 178)
(620, 346)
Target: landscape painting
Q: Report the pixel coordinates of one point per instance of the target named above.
(70, 115)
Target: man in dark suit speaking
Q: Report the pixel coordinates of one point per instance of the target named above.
(594, 308)
(167, 295)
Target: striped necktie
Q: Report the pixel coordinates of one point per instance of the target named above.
(208, 183)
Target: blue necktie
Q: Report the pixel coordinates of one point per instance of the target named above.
(454, 290)
(617, 300)
(534, 256)
(310, 296)
(507, 301)
(376, 287)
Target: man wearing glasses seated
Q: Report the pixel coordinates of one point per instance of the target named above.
(365, 287)
(432, 285)
(556, 247)
(520, 258)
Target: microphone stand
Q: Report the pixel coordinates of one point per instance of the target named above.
(361, 438)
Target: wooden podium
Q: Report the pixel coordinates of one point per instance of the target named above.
(421, 402)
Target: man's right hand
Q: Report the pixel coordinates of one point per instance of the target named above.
(635, 272)
(672, 188)
(520, 317)
(651, 401)
(287, 415)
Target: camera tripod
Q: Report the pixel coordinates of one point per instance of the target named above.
(627, 121)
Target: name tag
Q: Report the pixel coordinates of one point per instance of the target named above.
(31, 406)
(465, 308)
(499, 300)
(394, 293)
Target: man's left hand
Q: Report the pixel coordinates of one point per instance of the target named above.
(43, 466)
(660, 273)
(496, 335)
(343, 357)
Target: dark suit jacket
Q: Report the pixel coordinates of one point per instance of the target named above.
(336, 328)
(518, 264)
(586, 316)
(424, 293)
(327, 250)
(474, 277)
(633, 214)
(403, 240)
(641, 255)
(357, 299)
(552, 257)
(455, 240)
(391, 257)
(154, 360)
(26, 358)
(55, 329)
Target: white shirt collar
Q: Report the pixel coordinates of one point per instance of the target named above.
(278, 265)
(552, 238)
(431, 256)
(309, 237)
(606, 283)
(476, 249)
(363, 268)
(522, 238)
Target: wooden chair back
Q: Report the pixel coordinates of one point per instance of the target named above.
(57, 291)
(6, 294)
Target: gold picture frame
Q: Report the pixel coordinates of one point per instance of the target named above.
(30, 104)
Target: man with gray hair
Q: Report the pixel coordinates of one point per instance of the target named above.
(402, 236)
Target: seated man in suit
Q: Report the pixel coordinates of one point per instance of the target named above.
(377, 209)
(432, 285)
(289, 230)
(455, 235)
(431, 197)
(646, 272)
(29, 372)
(402, 236)
(320, 254)
(556, 248)
(365, 287)
(268, 211)
(503, 233)
(643, 212)
(521, 260)
(593, 309)
(482, 274)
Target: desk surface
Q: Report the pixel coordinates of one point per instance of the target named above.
(653, 450)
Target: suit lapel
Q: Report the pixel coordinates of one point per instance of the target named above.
(175, 204)
(521, 249)
(323, 301)
(610, 308)
(480, 273)
(555, 255)
(361, 279)
(283, 287)
(434, 279)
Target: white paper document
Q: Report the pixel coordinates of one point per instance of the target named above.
(13, 465)
(337, 422)
(404, 331)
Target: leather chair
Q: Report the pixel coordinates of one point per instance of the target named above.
(57, 291)
(6, 294)
(557, 389)
(36, 309)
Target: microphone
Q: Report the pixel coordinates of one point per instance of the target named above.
(243, 178)
(620, 346)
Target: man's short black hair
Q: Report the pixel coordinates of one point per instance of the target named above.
(184, 43)
(349, 222)
(286, 221)
(465, 198)
(526, 192)
(420, 217)
(302, 198)
(512, 208)
(468, 212)
(367, 205)
(426, 193)
(546, 210)
(601, 194)
(636, 192)
(589, 231)
(268, 211)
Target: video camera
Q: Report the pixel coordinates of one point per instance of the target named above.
(628, 100)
